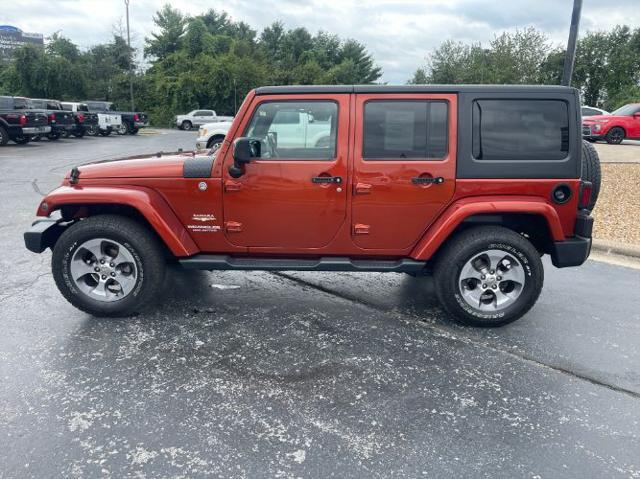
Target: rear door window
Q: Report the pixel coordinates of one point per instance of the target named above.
(405, 129)
(520, 130)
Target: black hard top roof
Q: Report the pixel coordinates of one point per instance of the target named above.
(293, 89)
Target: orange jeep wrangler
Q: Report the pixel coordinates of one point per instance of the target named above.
(472, 184)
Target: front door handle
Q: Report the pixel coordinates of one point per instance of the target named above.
(326, 179)
(427, 180)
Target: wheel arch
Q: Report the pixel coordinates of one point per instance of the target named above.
(142, 204)
(536, 220)
(215, 136)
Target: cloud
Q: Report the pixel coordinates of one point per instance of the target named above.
(399, 34)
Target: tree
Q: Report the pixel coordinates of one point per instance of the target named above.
(172, 27)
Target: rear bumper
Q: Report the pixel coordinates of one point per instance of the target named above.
(574, 251)
(140, 124)
(36, 130)
(43, 234)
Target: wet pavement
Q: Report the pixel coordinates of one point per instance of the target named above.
(304, 374)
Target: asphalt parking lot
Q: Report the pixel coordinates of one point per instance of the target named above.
(304, 374)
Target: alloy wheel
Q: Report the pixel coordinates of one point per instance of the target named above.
(104, 270)
(491, 280)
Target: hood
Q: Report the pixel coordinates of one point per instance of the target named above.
(601, 118)
(151, 166)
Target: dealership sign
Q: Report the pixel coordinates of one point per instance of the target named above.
(12, 38)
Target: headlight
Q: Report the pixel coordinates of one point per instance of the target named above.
(202, 132)
(597, 127)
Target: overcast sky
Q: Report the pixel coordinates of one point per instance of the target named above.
(398, 33)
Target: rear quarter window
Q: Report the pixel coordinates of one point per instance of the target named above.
(520, 130)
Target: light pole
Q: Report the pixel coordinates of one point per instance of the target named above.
(570, 56)
(126, 2)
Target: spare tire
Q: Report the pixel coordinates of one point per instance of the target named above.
(591, 171)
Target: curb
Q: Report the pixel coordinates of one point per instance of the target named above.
(611, 247)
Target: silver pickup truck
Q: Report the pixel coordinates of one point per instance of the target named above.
(196, 118)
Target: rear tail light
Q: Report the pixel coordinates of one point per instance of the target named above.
(23, 119)
(52, 117)
(586, 188)
(136, 117)
(80, 117)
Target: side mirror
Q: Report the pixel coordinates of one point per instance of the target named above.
(244, 149)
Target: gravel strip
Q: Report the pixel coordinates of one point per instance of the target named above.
(617, 213)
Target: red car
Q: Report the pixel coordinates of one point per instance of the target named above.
(624, 123)
(471, 184)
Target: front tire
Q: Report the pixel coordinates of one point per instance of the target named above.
(488, 276)
(108, 265)
(615, 135)
(186, 125)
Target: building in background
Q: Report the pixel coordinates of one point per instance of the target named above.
(12, 38)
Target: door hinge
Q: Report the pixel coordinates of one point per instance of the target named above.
(233, 227)
(360, 229)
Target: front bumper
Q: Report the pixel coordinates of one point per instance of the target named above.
(43, 234)
(201, 144)
(574, 251)
(36, 130)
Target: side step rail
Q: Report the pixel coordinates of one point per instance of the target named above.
(212, 262)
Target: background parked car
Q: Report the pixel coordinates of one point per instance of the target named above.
(624, 123)
(84, 119)
(19, 122)
(196, 118)
(212, 134)
(593, 111)
(131, 121)
(62, 122)
(108, 121)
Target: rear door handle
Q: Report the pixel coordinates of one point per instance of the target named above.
(427, 180)
(326, 179)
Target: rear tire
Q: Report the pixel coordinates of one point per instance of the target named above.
(139, 244)
(591, 171)
(22, 140)
(134, 131)
(53, 136)
(123, 129)
(78, 133)
(518, 288)
(615, 135)
(4, 136)
(105, 132)
(93, 131)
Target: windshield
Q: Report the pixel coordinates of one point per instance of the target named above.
(627, 110)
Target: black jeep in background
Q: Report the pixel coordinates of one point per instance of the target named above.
(131, 121)
(62, 122)
(19, 122)
(84, 119)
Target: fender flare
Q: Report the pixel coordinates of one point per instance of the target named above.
(147, 202)
(456, 213)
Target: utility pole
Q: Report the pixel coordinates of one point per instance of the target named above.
(570, 56)
(126, 2)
